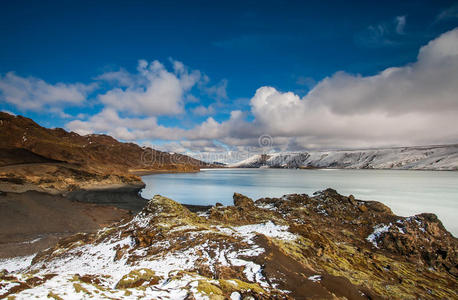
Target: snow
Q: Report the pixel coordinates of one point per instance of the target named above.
(315, 278)
(268, 229)
(99, 258)
(16, 263)
(378, 231)
(6, 286)
(418, 158)
(267, 206)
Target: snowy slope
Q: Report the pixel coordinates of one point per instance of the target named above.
(415, 158)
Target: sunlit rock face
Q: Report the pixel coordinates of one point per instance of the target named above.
(326, 246)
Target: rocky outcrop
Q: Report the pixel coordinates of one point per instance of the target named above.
(325, 246)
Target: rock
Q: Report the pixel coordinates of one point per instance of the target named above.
(242, 201)
(217, 204)
(362, 208)
(299, 237)
(137, 278)
(352, 200)
(3, 272)
(379, 207)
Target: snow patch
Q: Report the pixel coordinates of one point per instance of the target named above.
(268, 229)
(315, 278)
(378, 231)
(16, 263)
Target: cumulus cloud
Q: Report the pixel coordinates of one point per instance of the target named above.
(125, 128)
(415, 104)
(152, 91)
(33, 94)
(203, 110)
(156, 91)
(217, 91)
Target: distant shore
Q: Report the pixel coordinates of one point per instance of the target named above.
(152, 172)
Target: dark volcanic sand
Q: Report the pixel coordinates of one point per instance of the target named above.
(33, 221)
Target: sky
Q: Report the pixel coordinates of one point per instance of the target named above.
(220, 80)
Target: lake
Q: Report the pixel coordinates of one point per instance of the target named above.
(406, 192)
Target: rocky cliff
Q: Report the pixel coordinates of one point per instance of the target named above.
(405, 158)
(326, 246)
(34, 157)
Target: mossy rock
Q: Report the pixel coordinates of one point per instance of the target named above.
(235, 285)
(54, 296)
(210, 290)
(136, 278)
(79, 288)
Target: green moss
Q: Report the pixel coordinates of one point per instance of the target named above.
(233, 285)
(79, 288)
(54, 296)
(77, 278)
(136, 278)
(206, 288)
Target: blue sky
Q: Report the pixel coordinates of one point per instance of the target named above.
(229, 49)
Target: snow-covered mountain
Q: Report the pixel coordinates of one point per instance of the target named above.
(415, 158)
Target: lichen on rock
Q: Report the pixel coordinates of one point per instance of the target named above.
(271, 248)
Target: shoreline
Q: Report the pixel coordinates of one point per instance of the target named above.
(33, 220)
(152, 172)
(343, 240)
(362, 169)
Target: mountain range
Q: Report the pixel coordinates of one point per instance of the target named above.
(442, 157)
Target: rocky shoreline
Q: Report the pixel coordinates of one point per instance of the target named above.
(325, 246)
(77, 183)
(35, 219)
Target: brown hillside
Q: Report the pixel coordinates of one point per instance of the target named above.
(30, 153)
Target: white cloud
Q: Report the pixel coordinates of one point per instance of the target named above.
(217, 91)
(130, 129)
(415, 104)
(152, 91)
(203, 111)
(156, 91)
(30, 93)
(121, 78)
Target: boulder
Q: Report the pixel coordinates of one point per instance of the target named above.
(352, 200)
(242, 201)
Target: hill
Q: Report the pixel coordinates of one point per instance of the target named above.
(54, 160)
(444, 157)
(326, 246)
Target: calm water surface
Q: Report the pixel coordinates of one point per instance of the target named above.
(405, 192)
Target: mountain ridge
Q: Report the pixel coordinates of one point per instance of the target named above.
(434, 157)
(33, 157)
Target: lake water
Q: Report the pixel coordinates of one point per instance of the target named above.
(405, 192)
